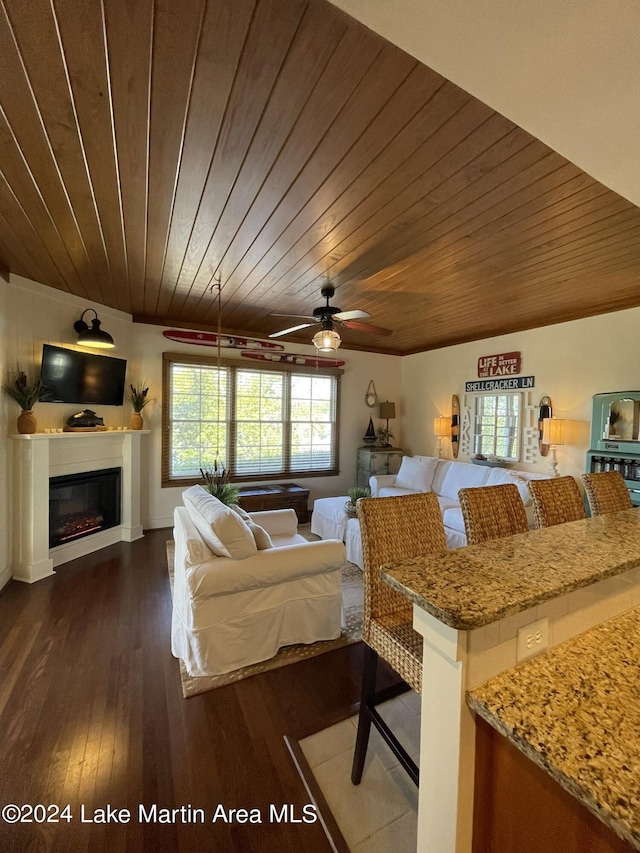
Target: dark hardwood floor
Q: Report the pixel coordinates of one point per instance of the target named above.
(92, 714)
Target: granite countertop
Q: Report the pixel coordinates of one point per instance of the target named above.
(574, 711)
(480, 584)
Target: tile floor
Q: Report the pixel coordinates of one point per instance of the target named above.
(380, 814)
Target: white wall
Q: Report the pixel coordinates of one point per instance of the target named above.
(570, 361)
(32, 314)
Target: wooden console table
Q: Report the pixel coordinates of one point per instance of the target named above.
(280, 496)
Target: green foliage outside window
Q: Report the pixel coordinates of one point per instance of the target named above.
(260, 423)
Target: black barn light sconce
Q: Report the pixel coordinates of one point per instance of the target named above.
(94, 336)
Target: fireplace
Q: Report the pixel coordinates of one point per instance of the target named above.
(82, 504)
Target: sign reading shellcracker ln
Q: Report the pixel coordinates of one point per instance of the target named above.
(507, 384)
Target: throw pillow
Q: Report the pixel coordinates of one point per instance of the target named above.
(416, 473)
(260, 535)
(244, 515)
(226, 534)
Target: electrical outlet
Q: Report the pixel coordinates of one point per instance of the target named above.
(532, 639)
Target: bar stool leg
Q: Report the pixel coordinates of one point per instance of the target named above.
(370, 668)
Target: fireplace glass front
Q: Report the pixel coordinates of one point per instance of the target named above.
(82, 504)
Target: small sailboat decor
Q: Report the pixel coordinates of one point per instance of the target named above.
(370, 435)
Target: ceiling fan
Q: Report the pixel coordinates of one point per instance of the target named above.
(327, 339)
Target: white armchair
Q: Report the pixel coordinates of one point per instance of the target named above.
(233, 611)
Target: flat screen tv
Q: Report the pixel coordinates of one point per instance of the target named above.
(70, 376)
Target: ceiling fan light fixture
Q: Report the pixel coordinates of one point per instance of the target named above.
(94, 336)
(326, 340)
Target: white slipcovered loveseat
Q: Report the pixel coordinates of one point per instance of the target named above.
(446, 477)
(246, 584)
(419, 474)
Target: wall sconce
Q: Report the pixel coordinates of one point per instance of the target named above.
(441, 429)
(387, 412)
(94, 336)
(553, 436)
(544, 411)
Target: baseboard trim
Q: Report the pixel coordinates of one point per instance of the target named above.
(326, 818)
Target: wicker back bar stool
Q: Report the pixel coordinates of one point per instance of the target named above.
(556, 501)
(392, 528)
(606, 492)
(491, 512)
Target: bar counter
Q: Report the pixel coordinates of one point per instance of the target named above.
(468, 605)
(574, 711)
(474, 586)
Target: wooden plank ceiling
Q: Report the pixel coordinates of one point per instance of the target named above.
(148, 146)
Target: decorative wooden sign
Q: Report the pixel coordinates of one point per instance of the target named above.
(502, 364)
(509, 384)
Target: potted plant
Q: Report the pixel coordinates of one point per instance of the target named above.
(26, 392)
(139, 399)
(384, 434)
(355, 493)
(217, 483)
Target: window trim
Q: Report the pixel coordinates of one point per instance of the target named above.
(170, 358)
(520, 428)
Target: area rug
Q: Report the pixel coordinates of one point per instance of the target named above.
(352, 598)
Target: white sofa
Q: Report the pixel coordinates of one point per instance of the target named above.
(446, 477)
(247, 584)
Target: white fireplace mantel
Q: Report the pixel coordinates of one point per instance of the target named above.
(43, 455)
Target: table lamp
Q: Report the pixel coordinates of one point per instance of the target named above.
(441, 429)
(553, 435)
(387, 412)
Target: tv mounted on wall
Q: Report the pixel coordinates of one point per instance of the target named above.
(71, 376)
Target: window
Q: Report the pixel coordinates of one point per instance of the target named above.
(260, 422)
(496, 429)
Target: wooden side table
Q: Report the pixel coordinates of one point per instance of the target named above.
(280, 496)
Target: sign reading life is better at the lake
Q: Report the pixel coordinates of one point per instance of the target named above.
(503, 364)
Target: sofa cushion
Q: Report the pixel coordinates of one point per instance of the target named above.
(498, 476)
(393, 492)
(462, 475)
(224, 532)
(188, 541)
(453, 519)
(416, 473)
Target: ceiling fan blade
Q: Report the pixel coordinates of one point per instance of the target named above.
(290, 330)
(351, 315)
(301, 316)
(366, 327)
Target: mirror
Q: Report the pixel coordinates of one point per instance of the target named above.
(371, 397)
(623, 420)
(543, 412)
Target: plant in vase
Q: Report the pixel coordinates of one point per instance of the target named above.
(139, 399)
(384, 434)
(26, 392)
(217, 483)
(355, 493)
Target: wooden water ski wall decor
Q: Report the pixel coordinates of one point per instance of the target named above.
(293, 358)
(210, 339)
(455, 426)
